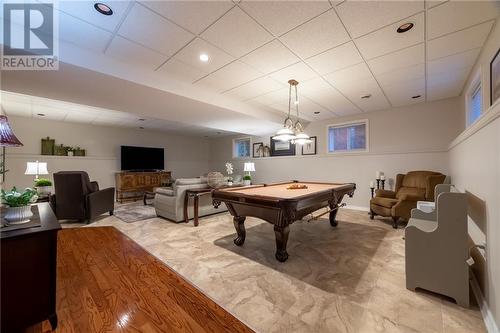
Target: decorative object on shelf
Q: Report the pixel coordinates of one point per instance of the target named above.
(60, 150)
(77, 151)
(248, 167)
(310, 147)
(382, 181)
(48, 145)
(215, 179)
(7, 139)
(282, 148)
(258, 150)
(372, 188)
(264, 151)
(292, 132)
(229, 170)
(43, 186)
(495, 78)
(380, 178)
(19, 210)
(36, 168)
(69, 151)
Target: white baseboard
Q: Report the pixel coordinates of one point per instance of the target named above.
(489, 321)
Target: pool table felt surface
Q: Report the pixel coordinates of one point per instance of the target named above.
(281, 191)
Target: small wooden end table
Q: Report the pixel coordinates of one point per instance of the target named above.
(195, 194)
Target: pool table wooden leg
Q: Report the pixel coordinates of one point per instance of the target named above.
(239, 225)
(333, 216)
(281, 234)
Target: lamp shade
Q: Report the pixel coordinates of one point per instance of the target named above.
(249, 166)
(7, 137)
(36, 168)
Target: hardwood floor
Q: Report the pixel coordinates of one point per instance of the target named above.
(108, 283)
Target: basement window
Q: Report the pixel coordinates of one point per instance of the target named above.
(474, 102)
(348, 137)
(241, 147)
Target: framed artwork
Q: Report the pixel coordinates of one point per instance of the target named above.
(280, 148)
(495, 78)
(257, 150)
(310, 148)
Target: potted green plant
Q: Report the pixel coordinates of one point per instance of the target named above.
(247, 180)
(70, 151)
(43, 186)
(19, 209)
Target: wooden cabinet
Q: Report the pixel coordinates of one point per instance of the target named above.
(132, 185)
(28, 273)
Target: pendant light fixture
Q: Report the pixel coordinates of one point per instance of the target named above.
(293, 132)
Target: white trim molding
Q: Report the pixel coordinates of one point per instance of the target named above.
(488, 319)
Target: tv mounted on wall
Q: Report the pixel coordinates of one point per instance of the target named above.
(142, 158)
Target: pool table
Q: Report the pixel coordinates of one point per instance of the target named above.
(280, 205)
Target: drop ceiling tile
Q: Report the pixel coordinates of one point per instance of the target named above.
(236, 33)
(318, 35)
(230, 76)
(334, 59)
(457, 15)
(410, 56)
(85, 10)
(16, 108)
(276, 97)
(299, 72)
(458, 42)
(132, 53)
(433, 3)
(401, 76)
(282, 16)
(82, 34)
(362, 17)
(81, 117)
(402, 94)
(49, 112)
(387, 40)
(446, 85)
(178, 70)
(270, 57)
(147, 28)
(190, 55)
(324, 94)
(308, 107)
(464, 60)
(254, 88)
(194, 16)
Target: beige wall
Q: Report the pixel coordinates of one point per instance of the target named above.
(401, 139)
(474, 161)
(184, 156)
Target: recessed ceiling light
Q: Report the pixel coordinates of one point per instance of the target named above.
(416, 96)
(103, 8)
(366, 96)
(204, 57)
(141, 119)
(41, 114)
(316, 112)
(405, 27)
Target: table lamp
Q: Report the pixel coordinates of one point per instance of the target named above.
(7, 139)
(36, 168)
(249, 167)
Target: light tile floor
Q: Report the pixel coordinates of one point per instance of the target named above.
(345, 279)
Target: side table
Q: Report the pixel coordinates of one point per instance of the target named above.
(195, 194)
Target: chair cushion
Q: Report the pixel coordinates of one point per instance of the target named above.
(417, 178)
(384, 202)
(165, 191)
(188, 181)
(411, 191)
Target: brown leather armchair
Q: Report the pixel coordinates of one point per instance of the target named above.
(77, 198)
(410, 188)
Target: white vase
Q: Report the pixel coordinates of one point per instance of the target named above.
(18, 215)
(70, 153)
(43, 191)
(247, 182)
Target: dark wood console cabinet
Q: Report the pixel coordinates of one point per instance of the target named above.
(28, 274)
(132, 185)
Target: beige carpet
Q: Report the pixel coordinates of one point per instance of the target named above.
(344, 279)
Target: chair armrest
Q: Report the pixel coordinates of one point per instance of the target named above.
(385, 194)
(418, 214)
(399, 181)
(100, 202)
(95, 186)
(411, 197)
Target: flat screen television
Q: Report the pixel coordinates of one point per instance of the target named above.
(142, 158)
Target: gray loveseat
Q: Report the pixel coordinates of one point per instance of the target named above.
(169, 201)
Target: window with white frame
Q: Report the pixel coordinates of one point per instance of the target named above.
(241, 148)
(348, 137)
(474, 100)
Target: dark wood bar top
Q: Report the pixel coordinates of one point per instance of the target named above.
(108, 283)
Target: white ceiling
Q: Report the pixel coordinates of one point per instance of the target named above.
(337, 50)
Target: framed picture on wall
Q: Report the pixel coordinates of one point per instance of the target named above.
(257, 149)
(310, 148)
(280, 148)
(495, 78)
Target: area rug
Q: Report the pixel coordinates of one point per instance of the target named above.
(135, 211)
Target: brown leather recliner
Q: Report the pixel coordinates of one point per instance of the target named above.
(77, 198)
(410, 188)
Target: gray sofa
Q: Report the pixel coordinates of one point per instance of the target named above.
(169, 201)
